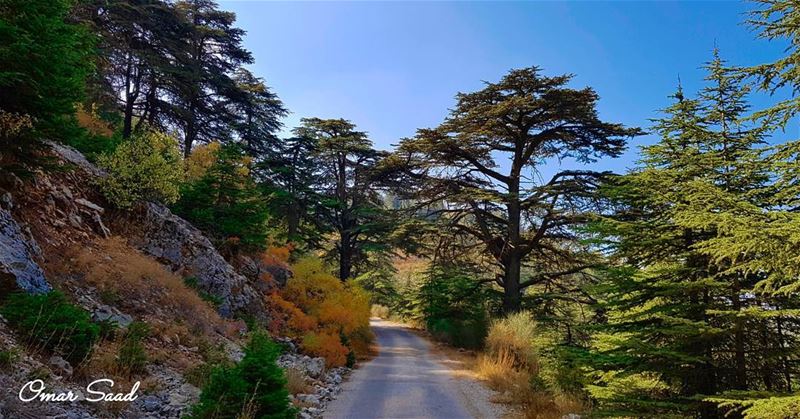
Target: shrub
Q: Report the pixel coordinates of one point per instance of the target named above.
(132, 356)
(332, 317)
(452, 305)
(224, 200)
(328, 345)
(145, 167)
(379, 311)
(514, 337)
(51, 322)
(256, 385)
(8, 358)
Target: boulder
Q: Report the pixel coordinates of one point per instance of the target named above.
(60, 366)
(175, 242)
(16, 257)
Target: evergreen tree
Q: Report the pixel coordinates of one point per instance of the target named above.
(44, 61)
(138, 41)
(346, 167)
(687, 323)
(526, 226)
(259, 111)
(203, 83)
(226, 203)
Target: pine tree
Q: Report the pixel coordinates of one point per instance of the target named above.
(44, 61)
(689, 329)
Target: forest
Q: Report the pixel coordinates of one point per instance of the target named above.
(671, 290)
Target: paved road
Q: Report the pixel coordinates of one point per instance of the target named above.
(404, 381)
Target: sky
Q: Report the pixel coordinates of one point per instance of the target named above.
(394, 67)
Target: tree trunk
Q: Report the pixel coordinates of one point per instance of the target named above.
(512, 293)
(738, 337)
(345, 262)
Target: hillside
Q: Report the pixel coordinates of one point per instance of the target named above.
(142, 266)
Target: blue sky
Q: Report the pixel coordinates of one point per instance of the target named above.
(393, 67)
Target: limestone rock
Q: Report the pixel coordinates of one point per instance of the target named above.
(60, 365)
(176, 243)
(16, 257)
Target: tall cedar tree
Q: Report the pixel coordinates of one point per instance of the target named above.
(258, 111)
(686, 319)
(483, 162)
(291, 174)
(346, 163)
(44, 61)
(203, 84)
(138, 43)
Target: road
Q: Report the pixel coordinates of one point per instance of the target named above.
(406, 380)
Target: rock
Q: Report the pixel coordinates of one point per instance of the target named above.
(151, 403)
(75, 157)
(256, 269)
(107, 313)
(90, 205)
(315, 367)
(6, 201)
(99, 227)
(16, 260)
(308, 398)
(60, 365)
(173, 241)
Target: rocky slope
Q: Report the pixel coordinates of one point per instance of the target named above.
(58, 232)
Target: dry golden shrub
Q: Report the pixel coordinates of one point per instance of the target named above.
(296, 382)
(138, 283)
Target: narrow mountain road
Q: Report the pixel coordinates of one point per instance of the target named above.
(406, 380)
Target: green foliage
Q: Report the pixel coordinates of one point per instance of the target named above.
(226, 202)
(132, 357)
(44, 61)
(452, 306)
(256, 385)
(212, 299)
(524, 119)
(145, 167)
(8, 358)
(691, 303)
(51, 322)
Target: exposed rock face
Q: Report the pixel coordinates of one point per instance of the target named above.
(176, 243)
(16, 257)
(263, 275)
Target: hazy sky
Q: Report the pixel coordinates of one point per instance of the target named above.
(393, 67)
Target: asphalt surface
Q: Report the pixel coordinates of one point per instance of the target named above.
(405, 380)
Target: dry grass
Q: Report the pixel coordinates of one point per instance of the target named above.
(140, 282)
(500, 373)
(296, 382)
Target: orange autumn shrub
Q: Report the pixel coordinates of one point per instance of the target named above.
(327, 345)
(278, 253)
(340, 312)
(290, 319)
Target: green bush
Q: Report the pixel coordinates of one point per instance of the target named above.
(147, 166)
(8, 358)
(452, 306)
(132, 356)
(50, 322)
(255, 386)
(225, 202)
